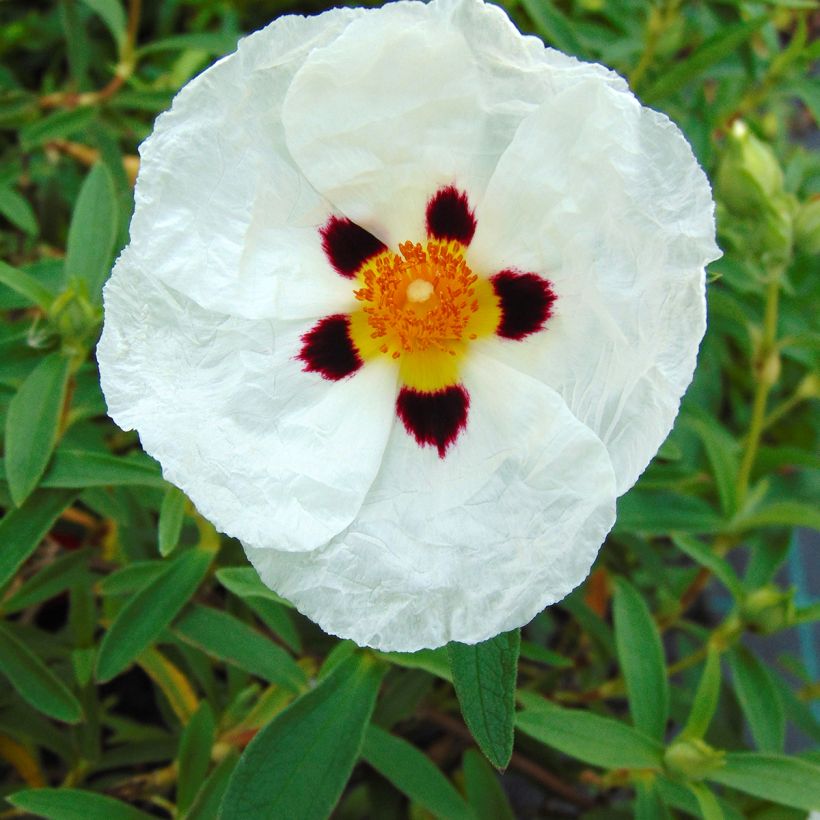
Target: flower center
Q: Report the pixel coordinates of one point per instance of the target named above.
(419, 299)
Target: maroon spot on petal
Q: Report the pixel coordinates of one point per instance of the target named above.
(348, 246)
(434, 418)
(449, 216)
(526, 303)
(328, 349)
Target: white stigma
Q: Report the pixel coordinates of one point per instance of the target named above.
(419, 290)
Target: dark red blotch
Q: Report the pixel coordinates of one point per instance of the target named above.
(449, 216)
(434, 418)
(526, 303)
(348, 246)
(328, 349)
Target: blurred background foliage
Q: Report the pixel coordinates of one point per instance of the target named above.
(139, 654)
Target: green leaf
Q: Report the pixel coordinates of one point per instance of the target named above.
(112, 14)
(583, 735)
(226, 637)
(789, 781)
(171, 518)
(212, 43)
(649, 804)
(82, 468)
(26, 285)
(759, 699)
(703, 554)
(723, 44)
(56, 126)
(298, 765)
(658, 513)
(721, 450)
(434, 661)
(553, 26)
(32, 425)
(74, 804)
(534, 652)
(245, 582)
(22, 530)
(57, 576)
(642, 661)
(707, 802)
(194, 755)
(132, 577)
(17, 210)
(34, 681)
(780, 514)
(706, 698)
(144, 617)
(484, 676)
(93, 231)
(206, 804)
(413, 774)
(484, 793)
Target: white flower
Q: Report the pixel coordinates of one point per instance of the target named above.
(410, 299)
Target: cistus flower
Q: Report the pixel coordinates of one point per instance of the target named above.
(410, 299)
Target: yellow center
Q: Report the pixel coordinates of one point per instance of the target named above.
(421, 307)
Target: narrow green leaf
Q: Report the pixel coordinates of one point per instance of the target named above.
(22, 530)
(780, 514)
(721, 450)
(194, 755)
(74, 804)
(413, 774)
(553, 26)
(226, 637)
(484, 793)
(16, 209)
(171, 518)
(649, 804)
(209, 797)
(131, 578)
(719, 567)
(534, 652)
(434, 661)
(706, 698)
(583, 735)
(642, 661)
(789, 781)
(32, 425)
(144, 617)
(93, 231)
(26, 285)
(709, 807)
(212, 43)
(244, 582)
(715, 49)
(655, 512)
(81, 468)
(278, 619)
(34, 681)
(54, 578)
(759, 699)
(298, 765)
(56, 126)
(113, 15)
(484, 677)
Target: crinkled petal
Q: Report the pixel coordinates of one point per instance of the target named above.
(464, 547)
(269, 453)
(222, 212)
(412, 97)
(605, 199)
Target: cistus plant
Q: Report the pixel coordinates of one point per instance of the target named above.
(407, 303)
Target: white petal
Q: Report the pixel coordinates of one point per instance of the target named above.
(616, 212)
(412, 97)
(468, 546)
(222, 213)
(270, 454)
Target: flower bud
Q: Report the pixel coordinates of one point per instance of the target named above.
(75, 318)
(768, 609)
(692, 759)
(807, 227)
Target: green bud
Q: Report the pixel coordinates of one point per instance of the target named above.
(807, 227)
(75, 318)
(768, 609)
(692, 759)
